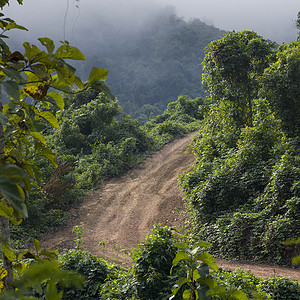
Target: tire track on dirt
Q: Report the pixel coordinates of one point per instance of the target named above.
(123, 210)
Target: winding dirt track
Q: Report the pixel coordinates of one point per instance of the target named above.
(122, 211)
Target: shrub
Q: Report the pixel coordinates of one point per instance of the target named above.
(91, 267)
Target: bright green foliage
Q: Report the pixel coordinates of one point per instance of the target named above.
(243, 196)
(258, 288)
(198, 282)
(232, 68)
(180, 117)
(27, 79)
(281, 86)
(34, 279)
(90, 267)
(152, 264)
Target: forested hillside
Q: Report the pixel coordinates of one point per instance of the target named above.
(244, 190)
(152, 67)
(60, 137)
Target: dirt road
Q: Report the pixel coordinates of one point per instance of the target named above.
(122, 211)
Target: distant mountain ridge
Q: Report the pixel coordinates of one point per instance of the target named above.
(156, 64)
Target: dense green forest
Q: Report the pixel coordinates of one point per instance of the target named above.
(242, 194)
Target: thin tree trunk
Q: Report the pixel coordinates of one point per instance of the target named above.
(4, 222)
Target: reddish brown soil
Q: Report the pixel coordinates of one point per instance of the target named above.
(122, 211)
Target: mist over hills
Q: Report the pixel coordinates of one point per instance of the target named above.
(152, 56)
(155, 65)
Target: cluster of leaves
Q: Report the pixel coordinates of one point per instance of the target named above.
(93, 269)
(242, 192)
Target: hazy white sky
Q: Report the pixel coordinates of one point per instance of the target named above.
(271, 18)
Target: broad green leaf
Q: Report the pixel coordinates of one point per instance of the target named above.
(61, 85)
(78, 82)
(217, 291)
(187, 295)
(203, 270)
(31, 51)
(48, 116)
(209, 260)
(8, 253)
(203, 244)
(15, 196)
(180, 256)
(12, 89)
(8, 213)
(48, 43)
(105, 89)
(39, 137)
(196, 275)
(46, 152)
(181, 282)
(49, 253)
(12, 73)
(59, 100)
(211, 282)
(39, 70)
(97, 74)
(12, 171)
(37, 245)
(238, 295)
(3, 118)
(69, 52)
(14, 25)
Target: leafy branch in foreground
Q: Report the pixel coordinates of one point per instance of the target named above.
(27, 79)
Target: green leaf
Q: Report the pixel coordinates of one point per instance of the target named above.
(48, 116)
(203, 270)
(48, 43)
(97, 74)
(187, 295)
(37, 245)
(196, 275)
(31, 51)
(238, 295)
(38, 136)
(69, 52)
(13, 25)
(12, 171)
(12, 73)
(3, 118)
(8, 213)
(180, 256)
(61, 85)
(46, 152)
(59, 100)
(78, 82)
(15, 195)
(12, 89)
(39, 70)
(209, 260)
(8, 253)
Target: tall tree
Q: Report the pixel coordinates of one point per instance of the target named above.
(281, 86)
(232, 68)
